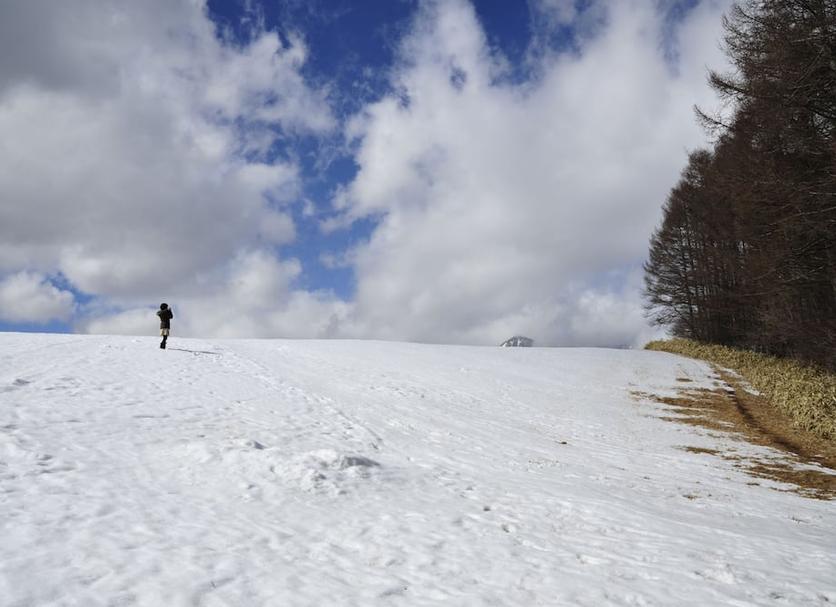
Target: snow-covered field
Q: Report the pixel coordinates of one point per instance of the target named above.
(284, 473)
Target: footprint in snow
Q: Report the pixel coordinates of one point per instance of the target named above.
(18, 383)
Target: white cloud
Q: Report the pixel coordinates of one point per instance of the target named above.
(136, 321)
(503, 206)
(251, 296)
(277, 228)
(30, 297)
(134, 160)
(555, 12)
(123, 132)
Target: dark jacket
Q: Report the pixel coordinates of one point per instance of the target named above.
(165, 318)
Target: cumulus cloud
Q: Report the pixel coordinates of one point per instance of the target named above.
(555, 12)
(138, 156)
(133, 142)
(134, 321)
(31, 298)
(250, 296)
(503, 207)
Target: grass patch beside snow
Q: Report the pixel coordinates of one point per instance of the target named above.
(806, 394)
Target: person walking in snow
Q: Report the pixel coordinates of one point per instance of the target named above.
(165, 315)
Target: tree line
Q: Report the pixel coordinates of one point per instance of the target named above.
(746, 251)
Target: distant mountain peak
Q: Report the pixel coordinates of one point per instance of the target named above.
(518, 341)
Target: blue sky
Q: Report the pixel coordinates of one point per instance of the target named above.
(418, 170)
(352, 44)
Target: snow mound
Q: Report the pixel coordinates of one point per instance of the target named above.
(328, 472)
(257, 467)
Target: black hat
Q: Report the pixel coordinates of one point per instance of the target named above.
(163, 306)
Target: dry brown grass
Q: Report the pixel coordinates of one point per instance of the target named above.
(805, 395)
(807, 462)
(701, 450)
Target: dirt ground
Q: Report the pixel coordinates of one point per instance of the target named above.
(808, 463)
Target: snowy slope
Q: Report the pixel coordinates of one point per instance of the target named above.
(363, 473)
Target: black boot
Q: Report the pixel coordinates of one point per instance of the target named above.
(162, 343)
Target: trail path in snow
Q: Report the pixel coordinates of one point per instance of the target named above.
(367, 473)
